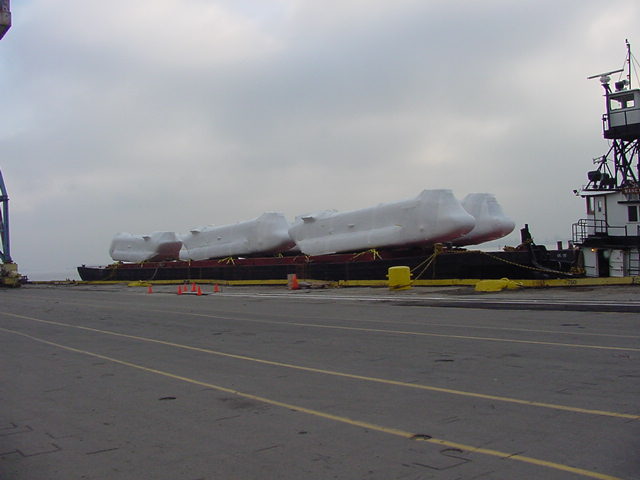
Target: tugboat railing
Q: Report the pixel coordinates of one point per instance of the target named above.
(624, 118)
(589, 227)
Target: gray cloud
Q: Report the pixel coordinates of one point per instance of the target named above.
(154, 115)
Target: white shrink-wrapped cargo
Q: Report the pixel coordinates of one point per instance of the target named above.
(433, 216)
(268, 233)
(157, 246)
(491, 222)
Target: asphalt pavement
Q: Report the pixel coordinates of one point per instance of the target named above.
(113, 382)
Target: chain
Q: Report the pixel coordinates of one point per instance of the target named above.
(546, 270)
(429, 261)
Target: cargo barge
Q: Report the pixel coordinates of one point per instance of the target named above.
(528, 261)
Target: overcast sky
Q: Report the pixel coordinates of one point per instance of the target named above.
(170, 114)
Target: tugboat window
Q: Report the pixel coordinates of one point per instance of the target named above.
(622, 101)
(632, 211)
(589, 205)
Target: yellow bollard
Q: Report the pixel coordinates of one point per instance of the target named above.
(399, 278)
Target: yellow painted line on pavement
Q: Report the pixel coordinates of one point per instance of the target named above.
(407, 332)
(382, 330)
(555, 282)
(128, 306)
(460, 337)
(339, 374)
(330, 416)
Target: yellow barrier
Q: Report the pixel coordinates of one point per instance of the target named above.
(399, 278)
(496, 285)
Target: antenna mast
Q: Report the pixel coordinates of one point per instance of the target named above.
(628, 62)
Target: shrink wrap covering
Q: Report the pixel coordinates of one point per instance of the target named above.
(491, 222)
(268, 233)
(433, 216)
(157, 246)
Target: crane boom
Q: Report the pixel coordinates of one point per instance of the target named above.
(5, 250)
(5, 17)
(9, 275)
(5, 255)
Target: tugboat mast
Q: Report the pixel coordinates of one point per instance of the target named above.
(621, 125)
(626, 41)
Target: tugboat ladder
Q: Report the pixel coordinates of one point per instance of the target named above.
(634, 262)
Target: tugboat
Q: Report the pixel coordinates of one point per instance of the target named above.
(609, 237)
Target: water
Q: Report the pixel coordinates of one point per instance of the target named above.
(40, 275)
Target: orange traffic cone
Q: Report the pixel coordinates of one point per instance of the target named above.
(216, 288)
(149, 290)
(199, 291)
(179, 290)
(193, 287)
(294, 282)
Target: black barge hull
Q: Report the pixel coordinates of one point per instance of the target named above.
(534, 262)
